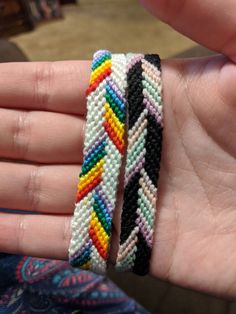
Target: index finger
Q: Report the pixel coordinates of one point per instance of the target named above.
(53, 86)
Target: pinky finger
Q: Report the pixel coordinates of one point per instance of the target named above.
(45, 236)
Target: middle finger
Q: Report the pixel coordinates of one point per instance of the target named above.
(38, 136)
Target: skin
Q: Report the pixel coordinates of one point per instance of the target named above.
(195, 230)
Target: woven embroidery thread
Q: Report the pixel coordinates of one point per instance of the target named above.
(143, 163)
(103, 151)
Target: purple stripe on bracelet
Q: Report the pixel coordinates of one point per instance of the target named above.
(115, 89)
(99, 54)
(136, 168)
(95, 146)
(153, 111)
(148, 234)
(85, 247)
(104, 199)
(134, 60)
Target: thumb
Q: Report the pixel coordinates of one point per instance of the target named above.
(211, 23)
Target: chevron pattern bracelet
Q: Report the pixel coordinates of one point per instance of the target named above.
(143, 162)
(103, 150)
(114, 78)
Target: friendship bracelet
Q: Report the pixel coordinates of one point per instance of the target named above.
(103, 151)
(143, 163)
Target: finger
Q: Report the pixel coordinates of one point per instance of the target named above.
(44, 137)
(52, 86)
(45, 236)
(211, 23)
(45, 189)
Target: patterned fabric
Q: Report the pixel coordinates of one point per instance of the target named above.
(34, 285)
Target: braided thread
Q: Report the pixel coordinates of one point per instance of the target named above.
(143, 163)
(103, 150)
(129, 230)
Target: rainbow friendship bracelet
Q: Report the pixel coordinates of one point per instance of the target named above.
(103, 150)
(143, 162)
(114, 78)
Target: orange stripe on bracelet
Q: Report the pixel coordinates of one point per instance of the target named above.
(92, 87)
(98, 240)
(81, 194)
(90, 176)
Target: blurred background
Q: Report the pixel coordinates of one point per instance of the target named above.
(42, 30)
(70, 29)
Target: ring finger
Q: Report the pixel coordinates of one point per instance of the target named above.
(38, 188)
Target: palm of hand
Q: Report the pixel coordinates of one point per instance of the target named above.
(196, 226)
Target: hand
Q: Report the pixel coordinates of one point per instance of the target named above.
(195, 228)
(211, 23)
(195, 240)
(48, 136)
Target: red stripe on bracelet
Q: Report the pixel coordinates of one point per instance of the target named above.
(80, 195)
(119, 145)
(100, 78)
(96, 242)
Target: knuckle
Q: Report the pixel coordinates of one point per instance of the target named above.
(21, 134)
(21, 227)
(33, 188)
(43, 78)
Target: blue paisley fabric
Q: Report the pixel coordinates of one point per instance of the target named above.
(36, 285)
